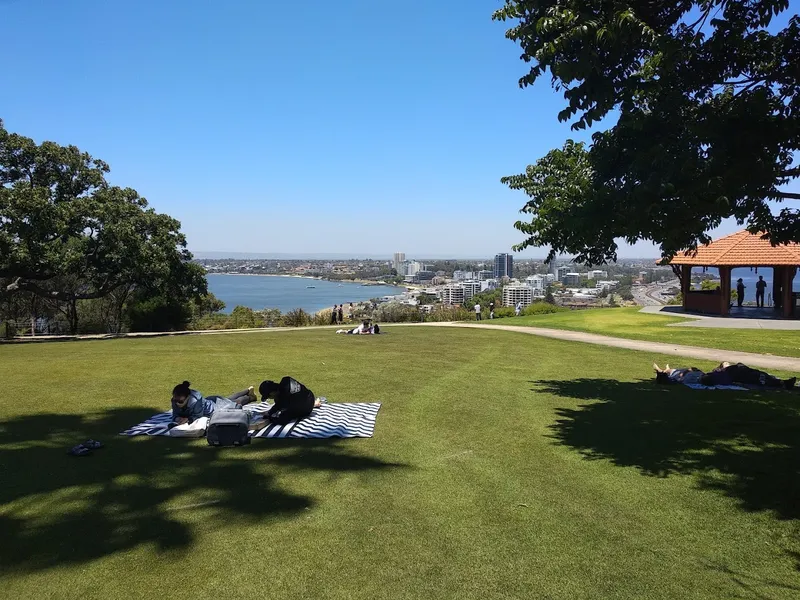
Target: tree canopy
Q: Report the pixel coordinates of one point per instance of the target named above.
(707, 106)
(67, 235)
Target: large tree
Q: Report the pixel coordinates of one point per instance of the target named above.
(67, 235)
(703, 103)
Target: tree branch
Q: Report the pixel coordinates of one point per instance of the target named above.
(786, 195)
(21, 285)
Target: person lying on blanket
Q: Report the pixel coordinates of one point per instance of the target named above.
(725, 374)
(364, 329)
(188, 405)
(732, 374)
(669, 375)
(293, 400)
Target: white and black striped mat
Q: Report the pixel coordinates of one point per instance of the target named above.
(345, 420)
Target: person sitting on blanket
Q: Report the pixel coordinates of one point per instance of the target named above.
(668, 375)
(364, 329)
(188, 405)
(732, 374)
(293, 400)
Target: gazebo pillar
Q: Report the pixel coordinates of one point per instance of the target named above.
(788, 274)
(725, 290)
(777, 279)
(686, 282)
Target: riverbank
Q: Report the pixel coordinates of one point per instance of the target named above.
(287, 292)
(364, 282)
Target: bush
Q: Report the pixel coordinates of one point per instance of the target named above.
(542, 308)
(394, 312)
(450, 313)
(296, 318)
(158, 314)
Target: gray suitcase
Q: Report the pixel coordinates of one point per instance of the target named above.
(228, 427)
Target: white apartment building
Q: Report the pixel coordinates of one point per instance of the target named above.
(609, 285)
(471, 288)
(536, 282)
(414, 267)
(572, 279)
(549, 278)
(453, 294)
(597, 274)
(488, 284)
(513, 294)
(463, 275)
(398, 259)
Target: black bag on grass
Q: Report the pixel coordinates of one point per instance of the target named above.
(228, 427)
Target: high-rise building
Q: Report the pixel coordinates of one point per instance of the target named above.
(463, 275)
(514, 294)
(453, 294)
(597, 274)
(399, 259)
(503, 266)
(536, 282)
(554, 268)
(483, 275)
(414, 267)
(561, 272)
(471, 288)
(572, 280)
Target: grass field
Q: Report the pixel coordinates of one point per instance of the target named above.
(632, 324)
(503, 466)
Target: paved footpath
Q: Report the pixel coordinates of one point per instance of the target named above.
(765, 361)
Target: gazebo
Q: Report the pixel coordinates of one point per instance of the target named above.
(740, 249)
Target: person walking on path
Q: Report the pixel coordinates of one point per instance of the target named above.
(341, 314)
(740, 291)
(518, 309)
(333, 315)
(477, 312)
(761, 285)
(491, 310)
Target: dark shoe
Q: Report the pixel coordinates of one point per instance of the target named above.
(79, 450)
(789, 383)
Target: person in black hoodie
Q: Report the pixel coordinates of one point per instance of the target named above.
(292, 399)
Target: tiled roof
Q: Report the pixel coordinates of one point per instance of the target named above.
(740, 249)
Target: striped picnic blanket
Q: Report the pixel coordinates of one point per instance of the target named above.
(345, 420)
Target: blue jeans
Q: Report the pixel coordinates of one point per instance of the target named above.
(220, 402)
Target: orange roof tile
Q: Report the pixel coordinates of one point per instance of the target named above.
(740, 249)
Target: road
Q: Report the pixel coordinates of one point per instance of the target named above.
(653, 294)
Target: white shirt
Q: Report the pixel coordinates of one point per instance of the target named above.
(477, 308)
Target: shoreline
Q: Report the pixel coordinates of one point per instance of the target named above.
(362, 282)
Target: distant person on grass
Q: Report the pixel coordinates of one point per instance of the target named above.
(333, 315)
(188, 405)
(761, 285)
(518, 309)
(341, 314)
(740, 291)
(491, 310)
(477, 308)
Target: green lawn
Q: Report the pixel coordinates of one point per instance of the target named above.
(635, 325)
(503, 466)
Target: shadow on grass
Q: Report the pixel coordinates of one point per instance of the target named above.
(57, 509)
(744, 444)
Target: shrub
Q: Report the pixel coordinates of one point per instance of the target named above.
(296, 318)
(542, 308)
(394, 312)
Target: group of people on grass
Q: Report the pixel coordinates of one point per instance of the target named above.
(724, 374)
(337, 314)
(292, 400)
(367, 327)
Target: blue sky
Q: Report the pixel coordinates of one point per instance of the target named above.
(354, 126)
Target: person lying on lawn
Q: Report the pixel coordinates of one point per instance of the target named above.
(725, 374)
(292, 399)
(669, 375)
(188, 405)
(729, 374)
